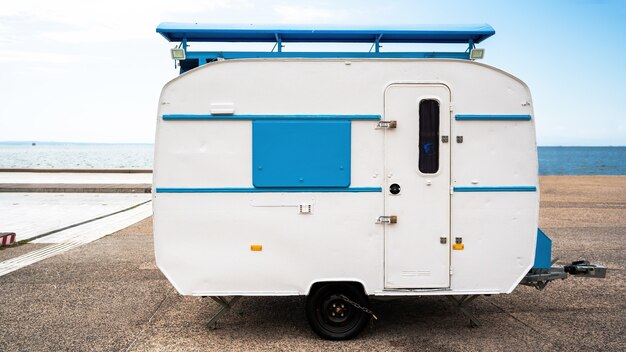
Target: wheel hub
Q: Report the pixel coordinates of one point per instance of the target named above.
(337, 310)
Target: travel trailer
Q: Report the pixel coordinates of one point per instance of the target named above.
(345, 175)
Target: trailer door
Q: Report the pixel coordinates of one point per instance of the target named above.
(417, 193)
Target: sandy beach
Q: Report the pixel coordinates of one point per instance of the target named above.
(108, 295)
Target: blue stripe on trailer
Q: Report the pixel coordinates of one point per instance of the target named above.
(492, 117)
(270, 190)
(496, 189)
(253, 117)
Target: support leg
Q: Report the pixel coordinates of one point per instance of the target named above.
(226, 305)
(461, 303)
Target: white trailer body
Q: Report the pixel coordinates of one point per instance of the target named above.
(208, 211)
(408, 176)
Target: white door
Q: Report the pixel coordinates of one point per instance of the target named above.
(417, 169)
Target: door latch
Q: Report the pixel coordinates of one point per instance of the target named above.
(387, 124)
(458, 244)
(387, 219)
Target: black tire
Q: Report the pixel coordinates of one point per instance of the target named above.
(333, 318)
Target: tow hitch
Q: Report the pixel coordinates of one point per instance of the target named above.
(544, 270)
(584, 268)
(539, 278)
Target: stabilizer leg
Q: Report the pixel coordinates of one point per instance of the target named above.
(461, 303)
(226, 305)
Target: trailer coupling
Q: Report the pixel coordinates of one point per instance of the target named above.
(544, 270)
(539, 278)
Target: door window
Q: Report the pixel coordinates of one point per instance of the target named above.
(429, 136)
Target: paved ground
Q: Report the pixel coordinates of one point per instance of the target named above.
(33, 214)
(108, 295)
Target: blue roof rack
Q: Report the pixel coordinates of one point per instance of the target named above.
(196, 32)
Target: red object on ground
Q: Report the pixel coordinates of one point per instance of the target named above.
(8, 238)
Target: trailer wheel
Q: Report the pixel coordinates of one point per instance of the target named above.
(331, 316)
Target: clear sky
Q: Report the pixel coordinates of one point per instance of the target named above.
(91, 71)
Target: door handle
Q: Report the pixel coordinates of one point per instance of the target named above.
(392, 219)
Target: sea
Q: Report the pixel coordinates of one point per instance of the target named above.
(75, 155)
(552, 160)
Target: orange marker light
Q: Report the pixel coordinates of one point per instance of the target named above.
(256, 247)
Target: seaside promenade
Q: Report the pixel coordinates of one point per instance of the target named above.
(108, 295)
(59, 210)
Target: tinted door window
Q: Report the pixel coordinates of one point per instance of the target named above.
(429, 136)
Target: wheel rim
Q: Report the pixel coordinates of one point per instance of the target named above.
(336, 315)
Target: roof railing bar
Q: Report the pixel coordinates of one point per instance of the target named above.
(208, 56)
(378, 43)
(279, 42)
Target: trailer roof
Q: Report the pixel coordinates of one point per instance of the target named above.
(201, 32)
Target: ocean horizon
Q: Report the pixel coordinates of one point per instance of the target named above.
(553, 160)
(70, 155)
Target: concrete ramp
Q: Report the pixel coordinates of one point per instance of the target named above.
(32, 215)
(77, 236)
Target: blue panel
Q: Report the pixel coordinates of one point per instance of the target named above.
(202, 32)
(492, 117)
(301, 153)
(496, 189)
(543, 251)
(271, 190)
(169, 117)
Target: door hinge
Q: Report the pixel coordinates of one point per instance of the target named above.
(392, 219)
(387, 124)
(451, 107)
(451, 271)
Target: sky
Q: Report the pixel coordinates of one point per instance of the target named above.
(92, 71)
